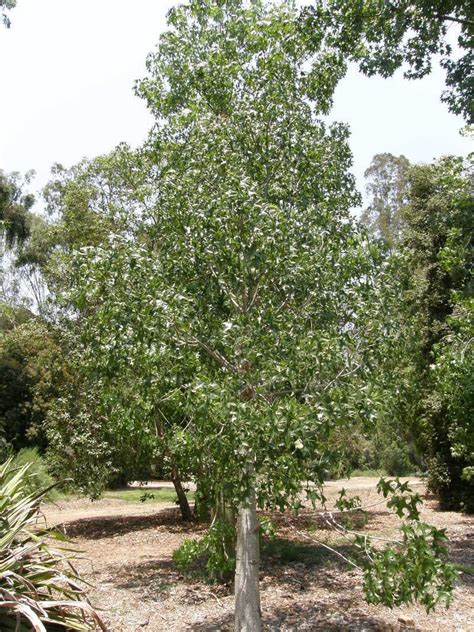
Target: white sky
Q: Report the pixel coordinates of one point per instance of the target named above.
(67, 69)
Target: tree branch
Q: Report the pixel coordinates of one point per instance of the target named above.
(216, 355)
(451, 18)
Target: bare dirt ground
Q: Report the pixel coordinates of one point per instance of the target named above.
(127, 557)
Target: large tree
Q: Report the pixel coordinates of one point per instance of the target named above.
(239, 298)
(429, 359)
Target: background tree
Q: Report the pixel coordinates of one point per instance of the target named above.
(383, 36)
(87, 205)
(387, 188)
(30, 379)
(438, 236)
(6, 5)
(15, 208)
(429, 354)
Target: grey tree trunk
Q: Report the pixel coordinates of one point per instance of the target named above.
(247, 594)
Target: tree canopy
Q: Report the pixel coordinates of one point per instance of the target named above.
(383, 36)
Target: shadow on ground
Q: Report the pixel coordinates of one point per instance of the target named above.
(343, 616)
(112, 526)
(309, 520)
(461, 551)
(289, 565)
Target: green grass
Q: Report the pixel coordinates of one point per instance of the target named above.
(137, 494)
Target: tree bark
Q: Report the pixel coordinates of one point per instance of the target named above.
(186, 512)
(247, 594)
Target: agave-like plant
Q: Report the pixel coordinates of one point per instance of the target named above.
(39, 588)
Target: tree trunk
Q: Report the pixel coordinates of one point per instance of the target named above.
(247, 594)
(186, 512)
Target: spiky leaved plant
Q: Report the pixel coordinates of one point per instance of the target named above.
(39, 588)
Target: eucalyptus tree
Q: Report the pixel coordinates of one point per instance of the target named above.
(387, 188)
(234, 309)
(15, 205)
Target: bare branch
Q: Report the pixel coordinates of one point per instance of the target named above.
(216, 355)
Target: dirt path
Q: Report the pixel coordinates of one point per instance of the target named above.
(127, 555)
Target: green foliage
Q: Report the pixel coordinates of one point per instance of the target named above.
(12, 316)
(424, 384)
(78, 447)
(345, 502)
(99, 416)
(15, 205)
(395, 460)
(209, 553)
(384, 36)
(31, 376)
(439, 238)
(39, 477)
(38, 587)
(267, 529)
(414, 569)
(404, 505)
(387, 187)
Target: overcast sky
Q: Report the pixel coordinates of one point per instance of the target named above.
(67, 73)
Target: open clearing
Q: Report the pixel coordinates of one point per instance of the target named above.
(127, 557)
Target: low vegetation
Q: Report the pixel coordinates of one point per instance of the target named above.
(39, 588)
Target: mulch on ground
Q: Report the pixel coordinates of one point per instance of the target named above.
(127, 557)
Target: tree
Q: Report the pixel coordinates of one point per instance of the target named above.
(387, 186)
(6, 5)
(428, 399)
(238, 299)
(87, 205)
(15, 225)
(31, 377)
(439, 239)
(383, 36)
(15, 208)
